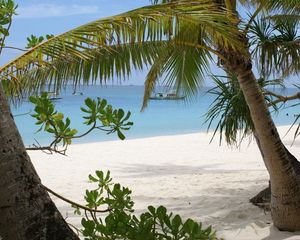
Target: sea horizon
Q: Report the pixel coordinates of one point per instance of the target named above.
(160, 118)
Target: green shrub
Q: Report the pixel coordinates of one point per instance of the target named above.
(117, 220)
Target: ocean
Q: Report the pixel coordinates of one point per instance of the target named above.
(162, 117)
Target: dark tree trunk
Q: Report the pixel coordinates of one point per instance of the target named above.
(26, 210)
(263, 198)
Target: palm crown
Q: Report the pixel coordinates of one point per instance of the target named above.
(175, 37)
(108, 46)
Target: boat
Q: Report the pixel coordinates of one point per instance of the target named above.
(53, 96)
(166, 96)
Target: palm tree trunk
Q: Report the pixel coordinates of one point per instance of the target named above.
(263, 198)
(281, 164)
(26, 210)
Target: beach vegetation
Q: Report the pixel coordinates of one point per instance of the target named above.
(99, 115)
(33, 40)
(109, 200)
(117, 220)
(229, 108)
(176, 38)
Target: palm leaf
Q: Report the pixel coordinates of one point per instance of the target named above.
(274, 5)
(184, 69)
(116, 64)
(184, 65)
(230, 111)
(71, 55)
(154, 74)
(275, 46)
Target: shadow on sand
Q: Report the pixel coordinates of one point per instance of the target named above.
(224, 204)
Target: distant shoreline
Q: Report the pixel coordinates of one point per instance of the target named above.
(201, 131)
(159, 119)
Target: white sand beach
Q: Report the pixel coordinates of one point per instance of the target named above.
(207, 182)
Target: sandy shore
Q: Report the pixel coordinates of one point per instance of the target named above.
(207, 182)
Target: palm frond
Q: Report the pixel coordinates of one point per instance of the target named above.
(274, 5)
(118, 63)
(70, 55)
(185, 70)
(283, 5)
(230, 111)
(297, 131)
(275, 46)
(183, 67)
(154, 74)
(286, 17)
(296, 122)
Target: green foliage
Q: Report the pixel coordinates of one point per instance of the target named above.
(7, 10)
(120, 222)
(296, 122)
(112, 120)
(97, 111)
(183, 68)
(81, 54)
(52, 121)
(33, 40)
(230, 109)
(275, 46)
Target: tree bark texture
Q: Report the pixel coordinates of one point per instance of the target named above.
(26, 210)
(282, 166)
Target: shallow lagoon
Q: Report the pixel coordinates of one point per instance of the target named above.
(167, 117)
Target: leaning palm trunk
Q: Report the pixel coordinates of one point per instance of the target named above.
(26, 210)
(282, 166)
(263, 198)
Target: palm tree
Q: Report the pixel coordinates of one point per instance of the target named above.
(179, 38)
(283, 168)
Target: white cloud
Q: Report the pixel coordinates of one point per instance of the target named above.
(54, 10)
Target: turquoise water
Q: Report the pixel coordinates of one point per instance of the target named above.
(160, 118)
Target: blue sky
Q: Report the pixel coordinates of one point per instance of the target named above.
(40, 17)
